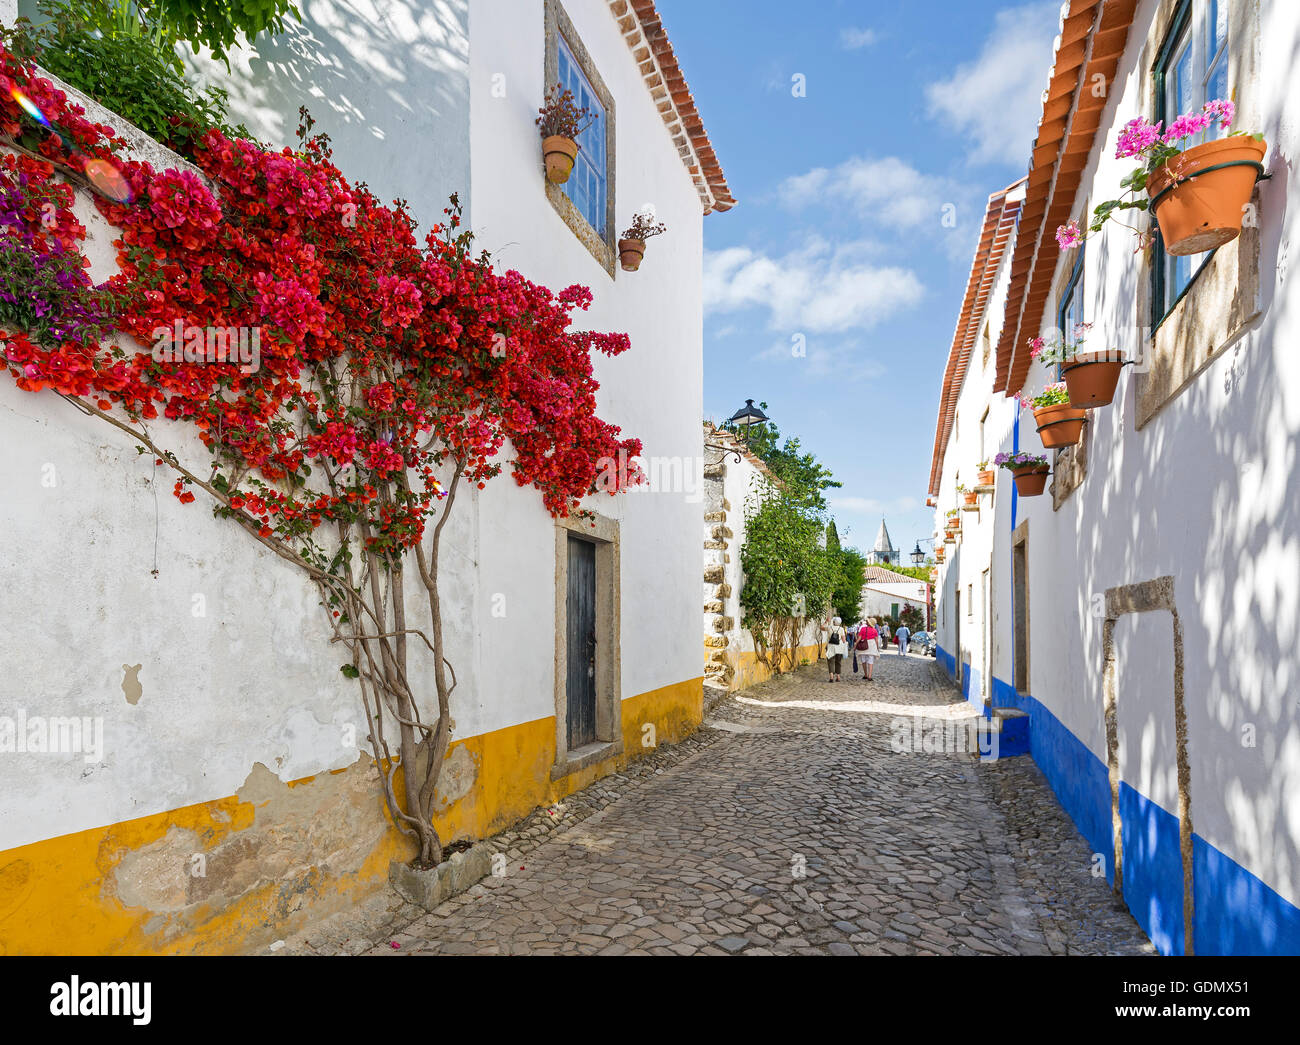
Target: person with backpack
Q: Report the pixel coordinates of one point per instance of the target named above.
(836, 646)
(867, 648)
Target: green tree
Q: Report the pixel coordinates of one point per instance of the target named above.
(921, 573)
(847, 596)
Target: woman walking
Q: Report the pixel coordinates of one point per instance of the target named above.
(868, 647)
(836, 647)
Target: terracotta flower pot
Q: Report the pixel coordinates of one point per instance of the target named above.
(971, 496)
(1198, 212)
(1059, 425)
(630, 253)
(560, 152)
(1031, 480)
(987, 478)
(1091, 377)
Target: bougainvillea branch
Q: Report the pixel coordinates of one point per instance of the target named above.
(345, 379)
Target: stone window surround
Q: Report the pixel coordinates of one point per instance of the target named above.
(1222, 301)
(1070, 465)
(1146, 597)
(557, 23)
(609, 698)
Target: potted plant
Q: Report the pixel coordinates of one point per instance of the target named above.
(560, 122)
(970, 496)
(1030, 471)
(1090, 377)
(987, 477)
(1059, 423)
(1197, 195)
(631, 245)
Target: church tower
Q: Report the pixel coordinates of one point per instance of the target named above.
(884, 553)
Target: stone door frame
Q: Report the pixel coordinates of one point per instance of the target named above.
(1146, 597)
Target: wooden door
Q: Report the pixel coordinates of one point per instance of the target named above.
(581, 617)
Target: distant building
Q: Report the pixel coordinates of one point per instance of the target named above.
(886, 593)
(884, 553)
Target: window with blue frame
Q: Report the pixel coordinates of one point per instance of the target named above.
(1191, 69)
(587, 185)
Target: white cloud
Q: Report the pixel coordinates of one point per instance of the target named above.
(852, 39)
(825, 356)
(887, 192)
(996, 99)
(818, 288)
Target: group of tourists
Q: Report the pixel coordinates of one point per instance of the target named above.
(863, 642)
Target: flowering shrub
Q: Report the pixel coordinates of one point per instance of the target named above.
(1018, 460)
(561, 115)
(1153, 149)
(1051, 348)
(391, 373)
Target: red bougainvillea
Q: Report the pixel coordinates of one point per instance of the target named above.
(379, 360)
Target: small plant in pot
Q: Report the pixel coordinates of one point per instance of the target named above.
(631, 245)
(1197, 195)
(560, 122)
(970, 496)
(1030, 471)
(1059, 423)
(987, 477)
(1090, 377)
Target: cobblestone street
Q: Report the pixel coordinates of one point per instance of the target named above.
(787, 825)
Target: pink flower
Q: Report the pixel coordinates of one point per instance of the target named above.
(1035, 344)
(1136, 136)
(1224, 110)
(1068, 236)
(1186, 126)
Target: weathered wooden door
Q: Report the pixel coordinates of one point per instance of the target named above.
(581, 616)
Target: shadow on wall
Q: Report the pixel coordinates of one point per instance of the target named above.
(1207, 493)
(388, 81)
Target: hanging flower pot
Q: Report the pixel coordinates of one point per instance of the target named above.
(560, 152)
(1196, 195)
(631, 247)
(1029, 470)
(1200, 211)
(630, 253)
(1059, 423)
(560, 122)
(1031, 480)
(1090, 377)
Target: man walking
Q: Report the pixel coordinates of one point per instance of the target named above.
(903, 635)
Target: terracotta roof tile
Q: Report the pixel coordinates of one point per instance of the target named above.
(643, 30)
(1093, 36)
(999, 226)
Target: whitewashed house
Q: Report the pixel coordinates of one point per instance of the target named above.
(886, 593)
(1142, 618)
(208, 719)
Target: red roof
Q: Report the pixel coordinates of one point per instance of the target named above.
(1092, 40)
(999, 225)
(643, 30)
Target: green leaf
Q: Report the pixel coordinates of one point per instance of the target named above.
(350, 670)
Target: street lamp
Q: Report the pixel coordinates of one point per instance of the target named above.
(746, 417)
(918, 556)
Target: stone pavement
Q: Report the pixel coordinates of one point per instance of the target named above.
(788, 825)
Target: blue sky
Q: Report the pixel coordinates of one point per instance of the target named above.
(912, 112)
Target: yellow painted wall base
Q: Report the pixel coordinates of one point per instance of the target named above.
(750, 671)
(233, 875)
